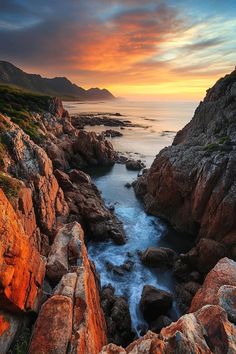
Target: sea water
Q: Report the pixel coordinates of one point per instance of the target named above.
(159, 123)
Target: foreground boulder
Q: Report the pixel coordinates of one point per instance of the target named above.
(71, 320)
(22, 271)
(209, 329)
(154, 302)
(116, 310)
(224, 273)
(192, 183)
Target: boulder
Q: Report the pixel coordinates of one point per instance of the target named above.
(117, 316)
(134, 165)
(154, 302)
(205, 255)
(155, 257)
(65, 251)
(72, 318)
(161, 322)
(224, 273)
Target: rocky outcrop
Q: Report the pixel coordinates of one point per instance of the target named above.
(22, 271)
(87, 207)
(192, 183)
(223, 274)
(209, 329)
(71, 320)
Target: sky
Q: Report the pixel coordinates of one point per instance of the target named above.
(135, 48)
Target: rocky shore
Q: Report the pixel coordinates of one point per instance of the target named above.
(50, 295)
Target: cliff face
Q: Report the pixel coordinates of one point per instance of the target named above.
(22, 271)
(192, 183)
(40, 217)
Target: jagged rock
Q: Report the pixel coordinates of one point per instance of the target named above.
(205, 255)
(154, 302)
(22, 272)
(192, 333)
(65, 251)
(86, 204)
(94, 149)
(117, 316)
(155, 257)
(224, 273)
(192, 183)
(71, 319)
(22, 268)
(161, 322)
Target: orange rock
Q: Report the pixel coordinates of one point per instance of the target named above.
(85, 323)
(53, 328)
(224, 273)
(22, 268)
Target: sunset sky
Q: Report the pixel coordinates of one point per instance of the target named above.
(132, 47)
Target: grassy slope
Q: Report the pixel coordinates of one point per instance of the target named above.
(18, 105)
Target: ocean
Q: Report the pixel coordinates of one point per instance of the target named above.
(160, 121)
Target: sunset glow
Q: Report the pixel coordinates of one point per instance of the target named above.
(149, 48)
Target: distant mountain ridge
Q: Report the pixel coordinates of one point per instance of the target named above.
(58, 86)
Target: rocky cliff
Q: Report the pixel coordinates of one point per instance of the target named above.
(192, 183)
(44, 198)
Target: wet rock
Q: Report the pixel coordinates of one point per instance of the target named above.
(110, 133)
(128, 185)
(161, 322)
(134, 165)
(154, 302)
(185, 293)
(118, 318)
(155, 257)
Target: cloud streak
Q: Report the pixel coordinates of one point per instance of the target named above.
(107, 42)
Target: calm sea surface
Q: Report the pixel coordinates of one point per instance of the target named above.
(160, 121)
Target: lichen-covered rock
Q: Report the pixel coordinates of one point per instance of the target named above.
(22, 271)
(224, 273)
(22, 268)
(71, 320)
(192, 183)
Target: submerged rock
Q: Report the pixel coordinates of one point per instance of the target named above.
(134, 165)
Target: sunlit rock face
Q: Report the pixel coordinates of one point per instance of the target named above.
(208, 328)
(22, 271)
(192, 183)
(71, 320)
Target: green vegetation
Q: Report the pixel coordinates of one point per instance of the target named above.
(18, 105)
(9, 185)
(211, 147)
(22, 343)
